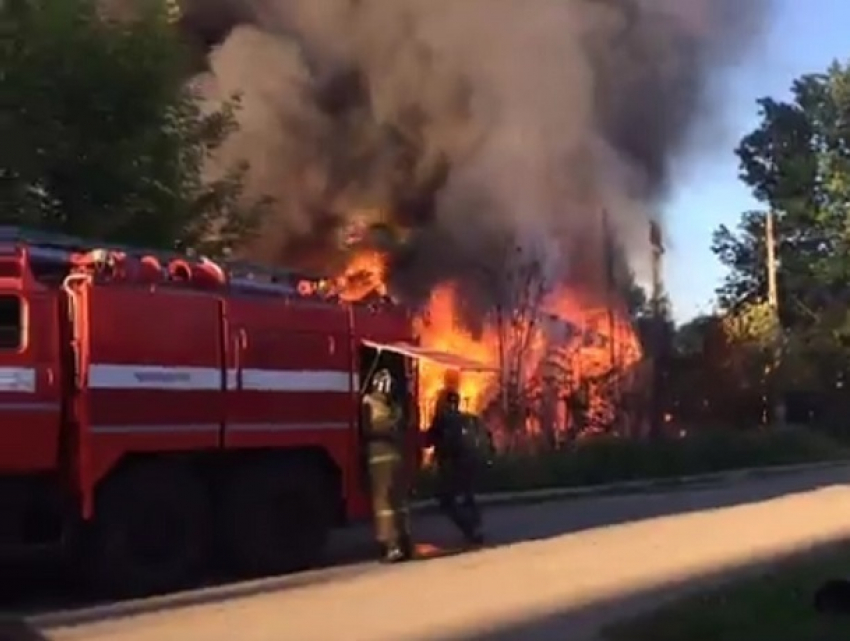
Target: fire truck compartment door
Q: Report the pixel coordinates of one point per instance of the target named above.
(30, 383)
(446, 359)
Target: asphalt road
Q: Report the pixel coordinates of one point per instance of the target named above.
(554, 571)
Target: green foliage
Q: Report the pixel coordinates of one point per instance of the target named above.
(754, 325)
(607, 460)
(102, 136)
(695, 337)
(720, 369)
(754, 338)
(776, 604)
(797, 163)
(743, 254)
(816, 354)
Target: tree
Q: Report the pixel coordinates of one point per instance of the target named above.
(102, 135)
(743, 253)
(518, 316)
(797, 163)
(751, 331)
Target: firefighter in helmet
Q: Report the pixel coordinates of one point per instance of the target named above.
(452, 435)
(384, 435)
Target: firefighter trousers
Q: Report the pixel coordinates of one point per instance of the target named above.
(456, 495)
(389, 498)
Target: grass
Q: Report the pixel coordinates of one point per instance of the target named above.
(610, 460)
(774, 606)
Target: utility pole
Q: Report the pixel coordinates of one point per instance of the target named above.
(770, 243)
(610, 285)
(657, 243)
(773, 304)
(659, 347)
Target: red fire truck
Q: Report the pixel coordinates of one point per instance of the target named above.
(158, 413)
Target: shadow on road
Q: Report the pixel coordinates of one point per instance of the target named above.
(586, 623)
(546, 520)
(506, 525)
(18, 630)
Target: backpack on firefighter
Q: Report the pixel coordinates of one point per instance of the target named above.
(457, 434)
(477, 439)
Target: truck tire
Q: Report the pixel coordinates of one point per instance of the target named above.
(150, 532)
(276, 517)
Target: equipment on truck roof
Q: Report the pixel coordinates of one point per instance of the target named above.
(47, 252)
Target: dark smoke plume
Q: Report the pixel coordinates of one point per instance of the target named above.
(456, 128)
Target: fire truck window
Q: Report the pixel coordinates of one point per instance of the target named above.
(11, 323)
(49, 271)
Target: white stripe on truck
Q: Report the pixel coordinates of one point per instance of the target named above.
(207, 428)
(292, 381)
(148, 377)
(194, 428)
(285, 427)
(29, 407)
(17, 379)
(152, 377)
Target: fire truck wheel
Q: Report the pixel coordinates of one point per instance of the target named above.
(150, 532)
(276, 518)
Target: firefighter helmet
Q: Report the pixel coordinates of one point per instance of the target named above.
(453, 401)
(382, 381)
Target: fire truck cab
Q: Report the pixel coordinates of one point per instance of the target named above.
(158, 412)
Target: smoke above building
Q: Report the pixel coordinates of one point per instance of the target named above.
(449, 132)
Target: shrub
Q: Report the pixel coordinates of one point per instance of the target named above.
(607, 460)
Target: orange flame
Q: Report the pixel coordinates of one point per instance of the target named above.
(365, 274)
(571, 341)
(438, 329)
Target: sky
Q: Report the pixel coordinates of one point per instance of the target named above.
(804, 36)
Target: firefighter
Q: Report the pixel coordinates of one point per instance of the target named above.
(383, 431)
(450, 434)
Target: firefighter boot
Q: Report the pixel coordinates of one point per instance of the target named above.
(407, 547)
(472, 527)
(394, 553)
(476, 536)
(473, 534)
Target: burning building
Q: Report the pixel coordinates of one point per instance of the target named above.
(539, 355)
(460, 156)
